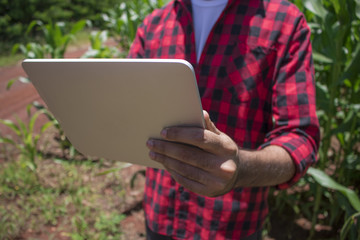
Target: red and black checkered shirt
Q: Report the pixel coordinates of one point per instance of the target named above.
(256, 80)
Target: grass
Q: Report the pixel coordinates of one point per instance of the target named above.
(9, 59)
(61, 198)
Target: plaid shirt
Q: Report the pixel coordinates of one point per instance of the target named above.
(256, 80)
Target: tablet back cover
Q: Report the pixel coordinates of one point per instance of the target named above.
(109, 108)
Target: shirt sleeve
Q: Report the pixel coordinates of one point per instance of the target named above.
(137, 49)
(296, 126)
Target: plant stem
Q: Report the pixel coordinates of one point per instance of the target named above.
(318, 196)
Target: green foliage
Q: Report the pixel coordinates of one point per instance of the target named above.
(335, 26)
(108, 226)
(57, 37)
(28, 145)
(17, 179)
(98, 49)
(11, 223)
(59, 194)
(66, 147)
(123, 20)
(16, 15)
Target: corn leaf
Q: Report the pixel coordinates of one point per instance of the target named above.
(325, 181)
(345, 229)
(357, 12)
(46, 126)
(108, 171)
(12, 126)
(322, 97)
(10, 83)
(352, 70)
(7, 140)
(318, 57)
(78, 26)
(316, 7)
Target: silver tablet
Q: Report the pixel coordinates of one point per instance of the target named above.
(108, 108)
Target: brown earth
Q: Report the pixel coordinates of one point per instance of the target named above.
(13, 103)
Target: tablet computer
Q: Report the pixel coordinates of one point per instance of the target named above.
(108, 108)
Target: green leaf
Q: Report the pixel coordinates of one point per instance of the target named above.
(352, 70)
(32, 25)
(322, 97)
(78, 26)
(22, 127)
(316, 7)
(325, 181)
(10, 83)
(336, 5)
(46, 126)
(12, 126)
(15, 48)
(346, 227)
(28, 109)
(7, 140)
(108, 171)
(346, 124)
(32, 122)
(357, 11)
(318, 57)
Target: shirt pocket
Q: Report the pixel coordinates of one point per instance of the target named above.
(250, 72)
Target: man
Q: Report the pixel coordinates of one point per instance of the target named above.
(254, 69)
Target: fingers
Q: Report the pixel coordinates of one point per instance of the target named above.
(193, 178)
(186, 154)
(175, 156)
(215, 143)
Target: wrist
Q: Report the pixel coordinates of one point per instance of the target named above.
(267, 167)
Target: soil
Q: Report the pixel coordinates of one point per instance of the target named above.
(13, 104)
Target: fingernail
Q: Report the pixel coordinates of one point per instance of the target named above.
(150, 143)
(164, 133)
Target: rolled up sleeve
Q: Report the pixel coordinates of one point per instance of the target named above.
(296, 126)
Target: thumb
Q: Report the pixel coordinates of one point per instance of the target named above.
(209, 125)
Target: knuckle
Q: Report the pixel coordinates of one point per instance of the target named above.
(199, 136)
(172, 133)
(184, 154)
(159, 158)
(205, 164)
(230, 146)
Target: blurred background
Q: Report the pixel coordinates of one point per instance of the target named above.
(50, 191)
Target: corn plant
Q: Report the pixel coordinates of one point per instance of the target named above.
(28, 144)
(56, 38)
(98, 49)
(65, 145)
(123, 20)
(335, 26)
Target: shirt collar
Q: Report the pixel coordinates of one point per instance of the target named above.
(187, 3)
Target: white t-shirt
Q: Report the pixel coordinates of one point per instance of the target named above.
(205, 15)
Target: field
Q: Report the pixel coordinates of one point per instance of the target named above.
(50, 191)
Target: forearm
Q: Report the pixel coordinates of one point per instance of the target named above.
(267, 167)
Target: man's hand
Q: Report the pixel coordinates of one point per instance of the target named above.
(208, 162)
(204, 161)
